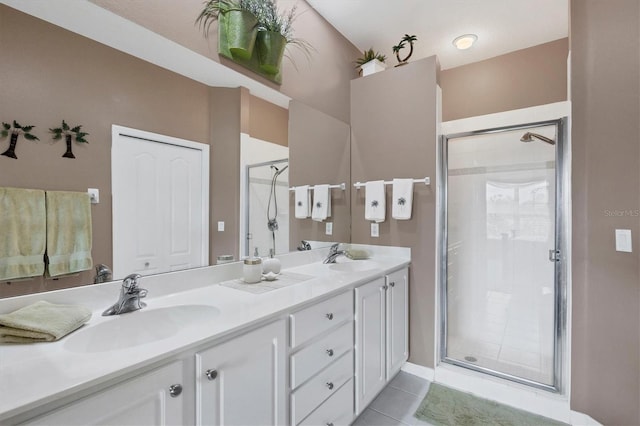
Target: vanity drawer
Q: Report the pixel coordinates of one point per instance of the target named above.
(307, 397)
(310, 322)
(318, 355)
(337, 410)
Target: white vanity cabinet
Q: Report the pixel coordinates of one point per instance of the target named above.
(243, 381)
(381, 334)
(321, 363)
(153, 398)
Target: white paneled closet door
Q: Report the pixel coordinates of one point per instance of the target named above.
(160, 203)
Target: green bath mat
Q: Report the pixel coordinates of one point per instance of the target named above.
(447, 407)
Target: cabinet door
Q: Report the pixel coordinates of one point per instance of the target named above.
(143, 400)
(397, 321)
(242, 381)
(370, 342)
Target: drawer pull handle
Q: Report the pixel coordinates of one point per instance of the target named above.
(392, 284)
(211, 374)
(175, 390)
(330, 385)
(330, 352)
(330, 316)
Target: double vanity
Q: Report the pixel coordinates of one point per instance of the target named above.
(315, 352)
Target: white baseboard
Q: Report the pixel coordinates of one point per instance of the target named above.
(419, 370)
(581, 419)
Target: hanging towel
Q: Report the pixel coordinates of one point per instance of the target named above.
(321, 203)
(41, 322)
(69, 234)
(375, 201)
(22, 233)
(303, 202)
(402, 197)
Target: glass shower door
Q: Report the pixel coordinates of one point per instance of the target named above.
(500, 250)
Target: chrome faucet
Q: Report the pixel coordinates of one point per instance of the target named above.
(334, 253)
(103, 274)
(130, 295)
(304, 245)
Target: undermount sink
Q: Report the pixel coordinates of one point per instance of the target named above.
(138, 328)
(347, 265)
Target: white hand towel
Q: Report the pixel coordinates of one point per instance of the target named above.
(375, 201)
(402, 197)
(321, 203)
(303, 202)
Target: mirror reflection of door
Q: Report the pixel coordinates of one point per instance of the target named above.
(160, 203)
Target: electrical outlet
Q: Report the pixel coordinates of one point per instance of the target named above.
(220, 226)
(375, 229)
(94, 195)
(328, 228)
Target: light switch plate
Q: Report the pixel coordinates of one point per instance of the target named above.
(328, 229)
(623, 240)
(220, 226)
(94, 195)
(375, 229)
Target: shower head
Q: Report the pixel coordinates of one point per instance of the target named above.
(528, 137)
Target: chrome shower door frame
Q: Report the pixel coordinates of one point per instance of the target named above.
(561, 246)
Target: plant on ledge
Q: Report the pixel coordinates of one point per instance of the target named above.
(240, 24)
(275, 32)
(369, 56)
(396, 49)
(17, 130)
(69, 133)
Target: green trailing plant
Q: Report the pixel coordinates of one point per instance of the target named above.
(396, 49)
(15, 131)
(69, 134)
(270, 18)
(368, 56)
(213, 8)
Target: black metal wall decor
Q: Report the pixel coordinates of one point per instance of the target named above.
(69, 133)
(15, 131)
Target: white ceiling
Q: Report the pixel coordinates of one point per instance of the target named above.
(502, 26)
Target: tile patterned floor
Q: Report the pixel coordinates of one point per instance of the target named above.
(396, 403)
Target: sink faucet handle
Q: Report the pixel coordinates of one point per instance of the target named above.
(130, 282)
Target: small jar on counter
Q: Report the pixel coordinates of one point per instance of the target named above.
(225, 258)
(252, 270)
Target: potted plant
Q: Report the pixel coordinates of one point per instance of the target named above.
(237, 19)
(371, 62)
(275, 32)
(396, 49)
(17, 131)
(69, 133)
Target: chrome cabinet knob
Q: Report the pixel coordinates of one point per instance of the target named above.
(330, 352)
(330, 385)
(330, 316)
(211, 374)
(392, 284)
(330, 424)
(384, 287)
(175, 390)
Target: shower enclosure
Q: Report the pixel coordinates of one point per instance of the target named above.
(267, 207)
(502, 252)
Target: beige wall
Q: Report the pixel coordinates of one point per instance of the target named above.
(520, 79)
(321, 82)
(393, 135)
(96, 86)
(605, 87)
(319, 152)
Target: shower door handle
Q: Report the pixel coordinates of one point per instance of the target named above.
(554, 255)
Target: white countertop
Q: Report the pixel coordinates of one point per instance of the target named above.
(36, 374)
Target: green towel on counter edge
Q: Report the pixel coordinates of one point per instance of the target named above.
(23, 229)
(41, 322)
(69, 232)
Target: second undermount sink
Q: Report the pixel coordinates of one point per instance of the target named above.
(348, 265)
(138, 328)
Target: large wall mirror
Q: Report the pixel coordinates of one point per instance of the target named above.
(256, 148)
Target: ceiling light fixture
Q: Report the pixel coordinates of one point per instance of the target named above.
(465, 41)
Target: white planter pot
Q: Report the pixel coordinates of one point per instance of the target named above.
(372, 67)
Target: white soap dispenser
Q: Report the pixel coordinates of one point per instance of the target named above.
(252, 269)
(271, 264)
